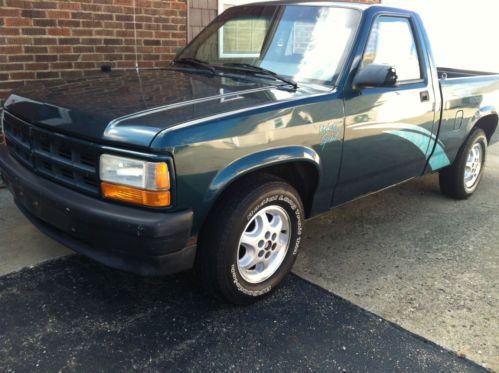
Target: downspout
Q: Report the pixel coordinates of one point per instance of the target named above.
(135, 35)
(187, 25)
(137, 70)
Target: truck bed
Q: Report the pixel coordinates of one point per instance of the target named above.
(467, 96)
(459, 73)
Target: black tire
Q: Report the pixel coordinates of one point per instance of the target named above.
(452, 178)
(218, 250)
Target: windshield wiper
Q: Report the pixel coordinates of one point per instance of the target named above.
(249, 67)
(196, 62)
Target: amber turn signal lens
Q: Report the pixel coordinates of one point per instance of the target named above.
(162, 176)
(136, 196)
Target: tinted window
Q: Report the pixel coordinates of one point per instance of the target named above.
(392, 43)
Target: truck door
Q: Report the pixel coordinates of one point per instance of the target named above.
(388, 130)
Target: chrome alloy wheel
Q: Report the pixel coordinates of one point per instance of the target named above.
(473, 165)
(264, 244)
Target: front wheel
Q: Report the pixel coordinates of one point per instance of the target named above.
(251, 242)
(460, 180)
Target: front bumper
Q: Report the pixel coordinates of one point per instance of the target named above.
(146, 242)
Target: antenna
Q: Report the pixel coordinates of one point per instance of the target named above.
(135, 35)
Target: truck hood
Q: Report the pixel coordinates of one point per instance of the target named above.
(133, 107)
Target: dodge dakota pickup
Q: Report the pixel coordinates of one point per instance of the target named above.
(275, 113)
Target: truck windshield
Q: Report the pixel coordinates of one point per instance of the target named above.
(301, 43)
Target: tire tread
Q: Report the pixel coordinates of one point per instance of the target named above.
(209, 263)
(451, 178)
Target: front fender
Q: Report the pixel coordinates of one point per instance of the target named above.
(255, 162)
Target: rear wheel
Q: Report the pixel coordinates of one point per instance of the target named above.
(251, 242)
(460, 180)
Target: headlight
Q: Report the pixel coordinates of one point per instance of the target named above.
(135, 181)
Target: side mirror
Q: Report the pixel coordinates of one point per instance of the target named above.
(375, 76)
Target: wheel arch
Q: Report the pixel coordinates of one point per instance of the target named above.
(487, 122)
(297, 165)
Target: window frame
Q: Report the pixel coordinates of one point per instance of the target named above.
(421, 57)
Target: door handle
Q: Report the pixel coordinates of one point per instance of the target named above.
(424, 96)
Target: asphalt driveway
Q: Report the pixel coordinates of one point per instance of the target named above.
(73, 314)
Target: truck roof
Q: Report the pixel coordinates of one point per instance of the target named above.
(316, 3)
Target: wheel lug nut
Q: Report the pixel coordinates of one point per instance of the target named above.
(267, 255)
(267, 235)
(260, 253)
(261, 243)
(274, 236)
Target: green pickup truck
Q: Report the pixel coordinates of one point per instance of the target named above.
(273, 114)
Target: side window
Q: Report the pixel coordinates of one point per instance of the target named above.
(392, 43)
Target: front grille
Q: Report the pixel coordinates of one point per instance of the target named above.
(65, 160)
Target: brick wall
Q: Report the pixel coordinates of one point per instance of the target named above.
(49, 39)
